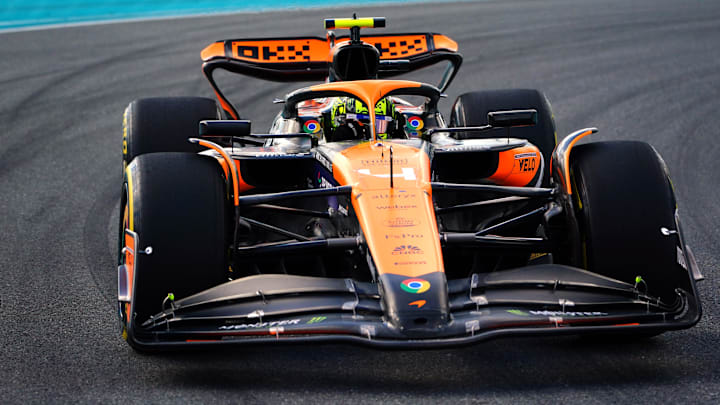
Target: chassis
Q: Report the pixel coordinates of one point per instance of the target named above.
(441, 235)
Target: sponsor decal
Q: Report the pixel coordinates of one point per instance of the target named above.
(407, 250)
(400, 222)
(554, 313)
(383, 162)
(561, 313)
(525, 162)
(534, 256)
(396, 206)
(415, 123)
(323, 161)
(323, 182)
(461, 148)
(418, 303)
(408, 173)
(404, 236)
(291, 50)
(402, 194)
(410, 263)
(316, 319)
(415, 286)
(267, 154)
(311, 126)
(260, 325)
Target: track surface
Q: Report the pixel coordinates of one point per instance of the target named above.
(646, 69)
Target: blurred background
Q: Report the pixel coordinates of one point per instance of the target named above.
(15, 14)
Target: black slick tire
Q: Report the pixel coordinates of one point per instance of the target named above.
(179, 208)
(623, 198)
(164, 124)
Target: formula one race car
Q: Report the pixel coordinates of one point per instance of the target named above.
(364, 216)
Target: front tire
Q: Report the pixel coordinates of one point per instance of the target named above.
(623, 198)
(179, 208)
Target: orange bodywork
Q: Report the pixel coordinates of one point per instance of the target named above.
(566, 169)
(443, 42)
(213, 50)
(226, 106)
(234, 173)
(314, 49)
(242, 185)
(398, 223)
(130, 266)
(397, 46)
(518, 166)
(130, 258)
(281, 50)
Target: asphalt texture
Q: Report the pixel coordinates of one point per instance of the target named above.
(644, 70)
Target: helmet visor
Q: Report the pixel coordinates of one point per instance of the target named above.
(381, 121)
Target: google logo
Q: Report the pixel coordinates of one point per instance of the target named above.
(311, 127)
(415, 285)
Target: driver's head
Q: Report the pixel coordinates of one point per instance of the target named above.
(350, 119)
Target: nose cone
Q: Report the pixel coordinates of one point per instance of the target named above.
(417, 306)
(400, 229)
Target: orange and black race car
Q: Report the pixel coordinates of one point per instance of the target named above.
(363, 216)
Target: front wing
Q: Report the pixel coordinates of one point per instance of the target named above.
(534, 300)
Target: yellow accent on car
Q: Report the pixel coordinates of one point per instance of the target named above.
(366, 22)
(125, 130)
(578, 201)
(128, 175)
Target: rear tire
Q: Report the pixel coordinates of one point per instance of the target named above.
(164, 124)
(179, 208)
(471, 109)
(623, 197)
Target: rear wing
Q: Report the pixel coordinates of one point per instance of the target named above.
(304, 59)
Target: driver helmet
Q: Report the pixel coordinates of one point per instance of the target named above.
(349, 118)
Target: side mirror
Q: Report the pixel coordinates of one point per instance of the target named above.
(512, 118)
(224, 128)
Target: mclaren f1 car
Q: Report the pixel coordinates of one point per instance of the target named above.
(364, 216)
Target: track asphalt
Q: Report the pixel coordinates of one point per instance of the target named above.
(644, 70)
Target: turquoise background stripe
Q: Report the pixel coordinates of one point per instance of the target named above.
(26, 13)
